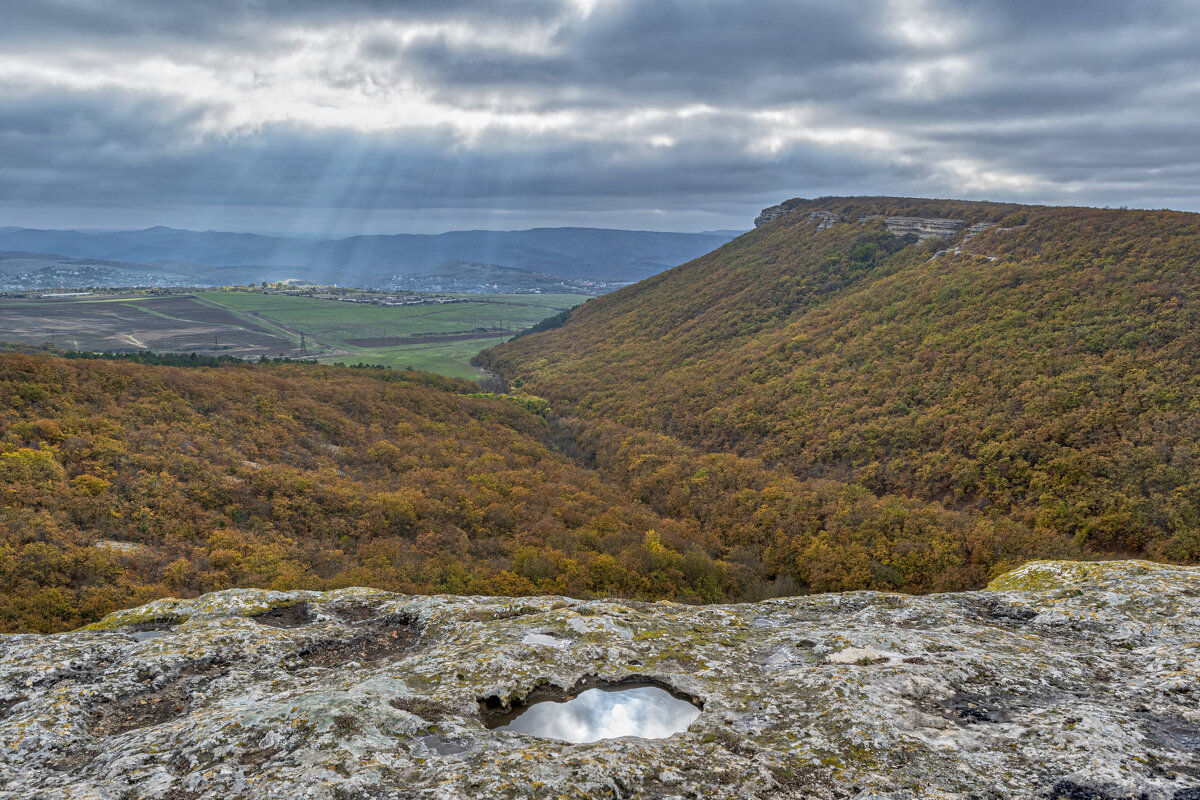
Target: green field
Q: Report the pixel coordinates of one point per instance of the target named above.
(439, 338)
(334, 330)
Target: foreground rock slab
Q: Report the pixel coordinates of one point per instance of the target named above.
(1065, 680)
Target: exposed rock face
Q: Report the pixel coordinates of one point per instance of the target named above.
(770, 215)
(923, 228)
(1068, 680)
(976, 229)
(824, 218)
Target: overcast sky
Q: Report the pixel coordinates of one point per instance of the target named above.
(326, 117)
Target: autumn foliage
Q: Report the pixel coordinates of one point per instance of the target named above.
(121, 482)
(800, 410)
(879, 414)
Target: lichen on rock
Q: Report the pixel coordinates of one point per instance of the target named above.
(1060, 680)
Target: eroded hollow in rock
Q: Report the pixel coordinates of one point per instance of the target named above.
(5, 705)
(152, 628)
(356, 612)
(595, 709)
(380, 639)
(141, 711)
(294, 616)
(170, 701)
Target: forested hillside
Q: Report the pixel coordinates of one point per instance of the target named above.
(822, 404)
(121, 482)
(1041, 378)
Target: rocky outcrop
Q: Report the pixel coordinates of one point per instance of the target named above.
(976, 229)
(770, 215)
(824, 218)
(922, 227)
(1063, 680)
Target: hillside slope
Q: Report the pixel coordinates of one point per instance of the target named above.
(121, 482)
(1043, 373)
(21, 271)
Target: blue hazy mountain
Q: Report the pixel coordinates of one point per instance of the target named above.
(597, 254)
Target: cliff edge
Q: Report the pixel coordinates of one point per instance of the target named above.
(1061, 680)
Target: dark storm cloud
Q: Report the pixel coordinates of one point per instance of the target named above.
(97, 20)
(364, 170)
(745, 53)
(699, 111)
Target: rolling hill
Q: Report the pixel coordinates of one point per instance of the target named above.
(988, 365)
(35, 271)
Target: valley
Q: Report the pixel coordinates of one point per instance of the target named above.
(845, 398)
(579, 400)
(1035, 392)
(436, 333)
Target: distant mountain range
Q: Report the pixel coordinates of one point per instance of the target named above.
(214, 257)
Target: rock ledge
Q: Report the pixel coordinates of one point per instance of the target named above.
(1062, 680)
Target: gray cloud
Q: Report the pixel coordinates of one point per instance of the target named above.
(100, 21)
(435, 113)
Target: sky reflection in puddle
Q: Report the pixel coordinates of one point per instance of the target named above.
(603, 713)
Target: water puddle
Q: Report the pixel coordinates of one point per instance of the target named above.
(610, 711)
(546, 640)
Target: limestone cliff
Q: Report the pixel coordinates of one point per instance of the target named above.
(921, 227)
(770, 215)
(1063, 680)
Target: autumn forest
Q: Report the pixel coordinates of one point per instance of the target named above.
(808, 408)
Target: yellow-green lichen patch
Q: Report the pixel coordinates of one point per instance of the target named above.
(230, 602)
(1040, 576)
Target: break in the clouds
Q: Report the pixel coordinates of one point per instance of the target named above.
(339, 117)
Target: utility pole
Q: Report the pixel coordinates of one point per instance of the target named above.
(303, 345)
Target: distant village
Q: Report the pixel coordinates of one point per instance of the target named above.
(344, 295)
(363, 296)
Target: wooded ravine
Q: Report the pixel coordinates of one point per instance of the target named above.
(800, 410)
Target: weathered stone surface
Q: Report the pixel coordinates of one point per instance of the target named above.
(770, 215)
(824, 218)
(1065, 680)
(923, 228)
(976, 229)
